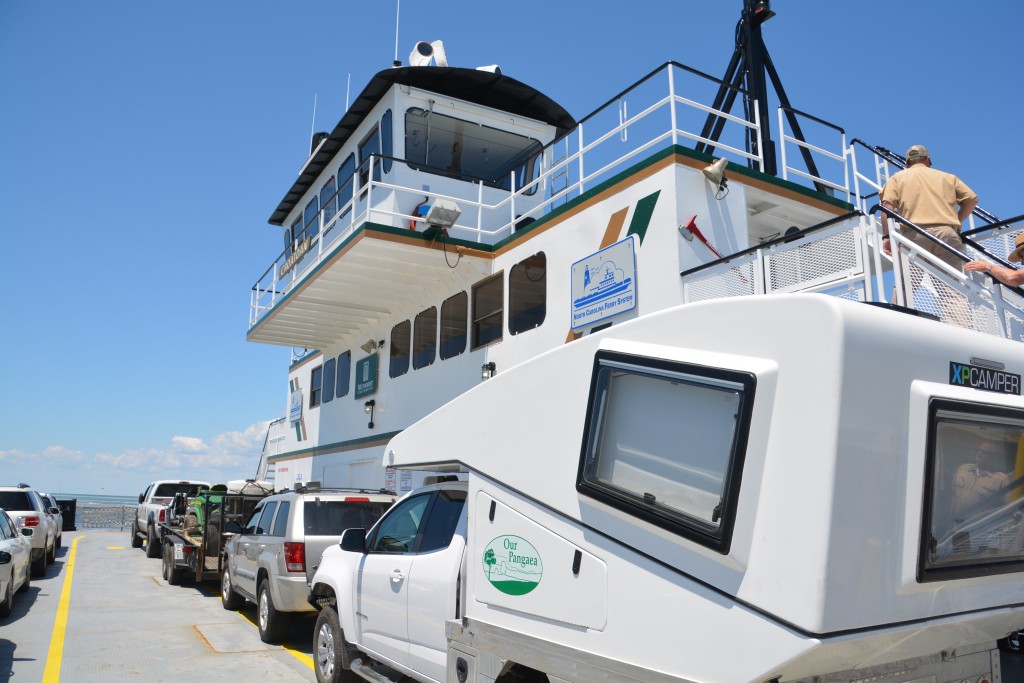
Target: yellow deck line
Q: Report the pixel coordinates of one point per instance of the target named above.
(301, 656)
(51, 674)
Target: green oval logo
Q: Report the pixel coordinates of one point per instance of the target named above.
(512, 565)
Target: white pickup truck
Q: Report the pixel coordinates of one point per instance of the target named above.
(152, 511)
(642, 500)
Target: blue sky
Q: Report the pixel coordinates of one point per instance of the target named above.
(144, 145)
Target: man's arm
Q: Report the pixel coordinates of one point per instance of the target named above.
(966, 207)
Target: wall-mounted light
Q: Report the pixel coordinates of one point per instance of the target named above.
(371, 345)
(368, 407)
(488, 370)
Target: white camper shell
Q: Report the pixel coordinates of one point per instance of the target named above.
(785, 471)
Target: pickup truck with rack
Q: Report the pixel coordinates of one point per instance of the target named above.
(152, 511)
(683, 481)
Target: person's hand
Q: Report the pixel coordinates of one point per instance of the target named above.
(982, 266)
(887, 246)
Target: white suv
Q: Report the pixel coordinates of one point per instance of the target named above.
(27, 509)
(273, 558)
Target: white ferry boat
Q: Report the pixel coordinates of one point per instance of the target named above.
(457, 222)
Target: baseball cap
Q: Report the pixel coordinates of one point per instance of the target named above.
(916, 152)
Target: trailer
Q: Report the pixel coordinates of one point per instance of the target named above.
(193, 537)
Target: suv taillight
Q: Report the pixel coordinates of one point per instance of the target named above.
(28, 521)
(295, 557)
(163, 512)
(354, 499)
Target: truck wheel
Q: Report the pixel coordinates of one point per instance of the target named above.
(171, 572)
(152, 543)
(229, 599)
(271, 622)
(328, 644)
(136, 538)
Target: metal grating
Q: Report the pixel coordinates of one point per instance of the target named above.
(798, 266)
(725, 280)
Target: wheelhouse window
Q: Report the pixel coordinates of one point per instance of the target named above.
(387, 141)
(488, 311)
(424, 338)
(344, 373)
(975, 499)
(461, 149)
(289, 236)
(527, 294)
(400, 335)
(665, 441)
(316, 380)
(310, 219)
(453, 325)
(328, 393)
(367, 148)
(345, 181)
(329, 201)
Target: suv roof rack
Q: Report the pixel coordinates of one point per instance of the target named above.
(314, 487)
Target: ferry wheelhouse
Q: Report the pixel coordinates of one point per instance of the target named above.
(457, 222)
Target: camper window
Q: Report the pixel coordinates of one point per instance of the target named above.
(664, 441)
(975, 497)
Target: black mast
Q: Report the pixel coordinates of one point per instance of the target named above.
(751, 68)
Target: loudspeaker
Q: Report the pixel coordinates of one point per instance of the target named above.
(715, 172)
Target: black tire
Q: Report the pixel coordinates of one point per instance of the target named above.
(172, 574)
(136, 538)
(229, 599)
(152, 543)
(59, 542)
(28, 582)
(272, 624)
(8, 603)
(328, 649)
(51, 554)
(38, 568)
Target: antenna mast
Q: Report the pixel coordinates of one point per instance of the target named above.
(398, 7)
(312, 126)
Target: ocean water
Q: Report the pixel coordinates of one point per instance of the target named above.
(98, 498)
(101, 511)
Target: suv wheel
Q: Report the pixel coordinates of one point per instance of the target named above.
(152, 545)
(328, 646)
(38, 567)
(59, 542)
(271, 622)
(136, 538)
(8, 603)
(51, 554)
(229, 599)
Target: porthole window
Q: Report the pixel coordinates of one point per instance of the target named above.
(400, 335)
(454, 313)
(424, 338)
(488, 310)
(527, 294)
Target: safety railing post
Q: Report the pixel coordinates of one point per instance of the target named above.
(782, 145)
(760, 139)
(579, 151)
(672, 103)
(479, 211)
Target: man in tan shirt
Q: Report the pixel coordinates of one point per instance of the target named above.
(936, 201)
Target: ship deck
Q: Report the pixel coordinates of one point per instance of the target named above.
(103, 612)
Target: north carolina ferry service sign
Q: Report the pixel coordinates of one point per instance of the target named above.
(604, 284)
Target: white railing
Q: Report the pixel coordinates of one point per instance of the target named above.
(604, 143)
(845, 260)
